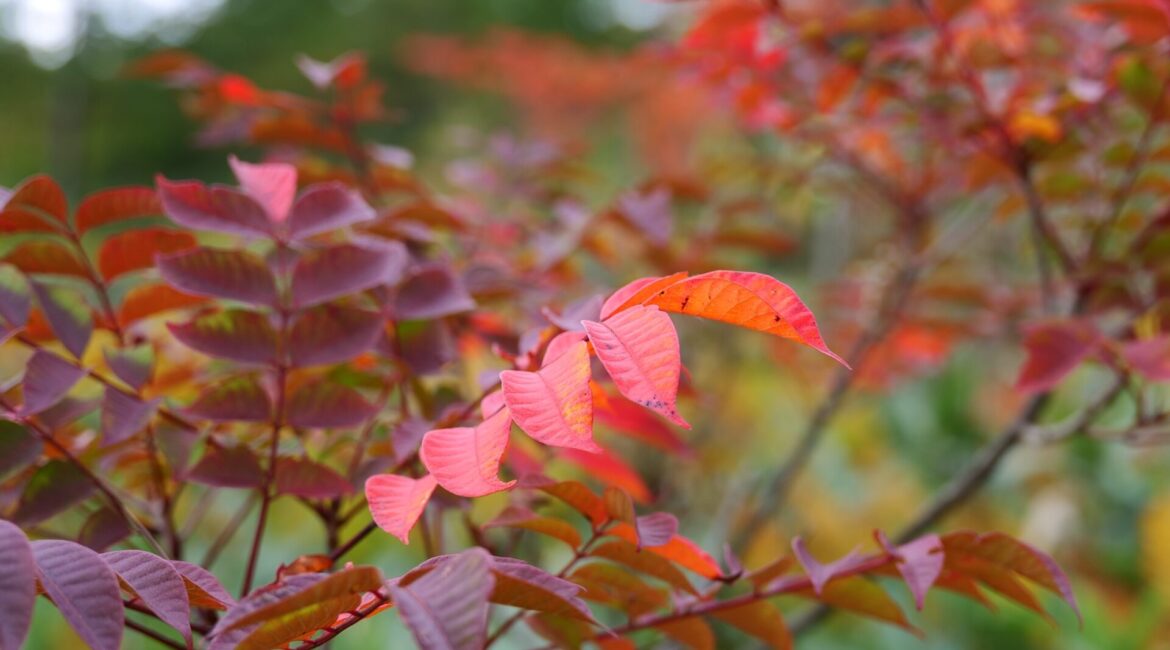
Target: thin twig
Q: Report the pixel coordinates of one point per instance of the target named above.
(146, 631)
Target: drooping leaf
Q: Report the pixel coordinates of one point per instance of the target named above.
(115, 204)
(227, 467)
(133, 365)
(19, 447)
(751, 300)
(219, 209)
(236, 398)
(272, 185)
(234, 274)
(637, 292)
(327, 206)
(123, 415)
(760, 619)
(203, 589)
(466, 460)
(522, 585)
(447, 609)
(150, 299)
(68, 314)
(46, 256)
(396, 502)
(156, 583)
(432, 291)
(84, 589)
(820, 574)
(18, 591)
(554, 405)
(625, 553)
(135, 250)
(326, 404)
(15, 296)
(1054, 348)
(237, 334)
(305, 478)
(639, 349)
(47, 379)
(345, 269)
(332, 333)
(920, 562)
(516, 517)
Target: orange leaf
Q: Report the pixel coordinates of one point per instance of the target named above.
(135, 249)
(116, 204)
(679, 550)
(148, 300)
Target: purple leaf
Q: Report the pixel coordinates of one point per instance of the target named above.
(656, 529)
(227, 467)
(103, 529)
(327, 206)
(238, 398)
(15, 296)
(920, 562)
(236, 334)
(432, 291)
(84, 589)
(820, 574)
(427, 349)
(272, 185)
(326, 404)
(68, 314)
(203, 589)
(18, 591)
(447, 609)
(66, 412)
(54, 487)
(650, 213)
(331, 334)
(237, 275)
(47, 378)
(123, 415)
(520, 584)
(570, 319)
(345, 269)
(19, 448)
(157, 584)
(132, 365)
(219, 209)
(304, 478)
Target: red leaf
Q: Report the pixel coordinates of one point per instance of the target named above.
(18, 590)
(136, 249)
(219, 209)
(238, 275)
(227, 467)
(345, 269)
(920, 562)
(627, 418)
(1054, 348)
(465, 460)
(22, 220)
(147, 300)
(327, 206)
(447, 609)
(640, 351)
(326, 404)
(272, 185)
(236, 334)
(237, 398)
(305, 478)
(396, 502)
(554, 405)
(68, 314)
(116, 204)
(331, 333)
(820, 574)
(609, 468)
(84, 589)
(46, 256)
(47, 379)
(637, 292)
(156, 584)
(41, 195)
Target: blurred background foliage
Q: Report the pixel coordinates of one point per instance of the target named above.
(1102, 509)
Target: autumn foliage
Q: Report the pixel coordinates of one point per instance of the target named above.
(387, 349)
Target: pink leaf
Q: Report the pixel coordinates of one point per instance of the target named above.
(157, 585)
(656, 529)
(555, 404)
(327, 206)
(84, 589)
(219, 209)
(18, 592)
(1054, 348)
(47, 379)
(636, 292)
(234, 274)
(491, 404)
(345, 269)
(820, 574)
(560, 344)
(640, 351)
(447, 609)
(1149, 357)
(396, 502)
(465, 460)
(272, 185)
(920, 562)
